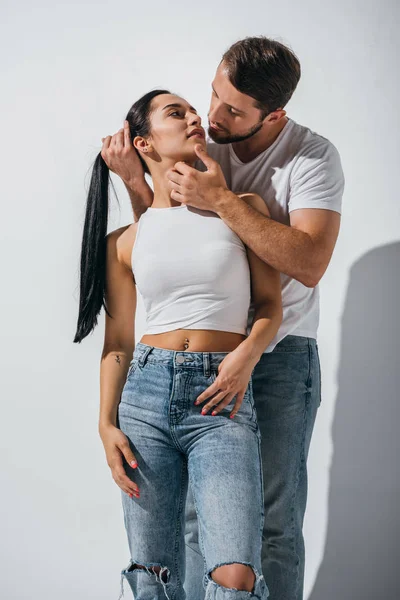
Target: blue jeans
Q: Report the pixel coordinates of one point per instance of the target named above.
(174, 444)
(287, 394)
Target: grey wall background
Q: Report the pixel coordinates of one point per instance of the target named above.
(70, 72)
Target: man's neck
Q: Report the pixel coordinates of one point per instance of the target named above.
(249, 149)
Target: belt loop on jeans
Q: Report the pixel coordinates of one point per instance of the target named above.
(143, 357)
(206, 364)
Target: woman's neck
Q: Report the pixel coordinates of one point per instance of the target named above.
(162, 190)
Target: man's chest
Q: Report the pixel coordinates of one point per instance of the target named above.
(271, 182)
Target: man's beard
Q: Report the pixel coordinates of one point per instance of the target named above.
(220, 138)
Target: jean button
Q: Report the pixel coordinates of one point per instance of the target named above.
(180, 360)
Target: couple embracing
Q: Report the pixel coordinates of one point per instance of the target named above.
(206, 421)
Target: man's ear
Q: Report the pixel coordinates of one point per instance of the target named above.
(276, 115)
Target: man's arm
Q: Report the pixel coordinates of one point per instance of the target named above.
(140, 195)
(302, 250)
(122, 159)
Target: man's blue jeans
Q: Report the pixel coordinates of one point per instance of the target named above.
(287, 394)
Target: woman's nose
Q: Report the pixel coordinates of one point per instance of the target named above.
(195, 120)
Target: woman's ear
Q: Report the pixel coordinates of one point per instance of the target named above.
(141, 144)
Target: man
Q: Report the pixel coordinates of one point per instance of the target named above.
(255, 147)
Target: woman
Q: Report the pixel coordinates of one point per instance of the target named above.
(197, 279)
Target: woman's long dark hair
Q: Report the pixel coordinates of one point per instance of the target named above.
(94, 243)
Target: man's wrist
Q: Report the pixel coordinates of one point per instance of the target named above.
(136, 184)
(223, 200)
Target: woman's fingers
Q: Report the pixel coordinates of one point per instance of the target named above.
(120, 477)
(237, 404)
(228, 399)
(128, 454)
(210, 391)
(223, 399)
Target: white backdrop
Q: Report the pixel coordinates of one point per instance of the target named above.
(70, 72)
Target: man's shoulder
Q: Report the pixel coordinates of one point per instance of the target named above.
(309, 143)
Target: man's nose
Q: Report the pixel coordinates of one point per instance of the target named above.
(213, 114)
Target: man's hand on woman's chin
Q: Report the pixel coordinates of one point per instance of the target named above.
(202, 190)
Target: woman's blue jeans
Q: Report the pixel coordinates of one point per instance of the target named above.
(175, 444)
(287, 394)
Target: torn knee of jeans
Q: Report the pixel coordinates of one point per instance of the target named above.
(161, 574)
(258, 584)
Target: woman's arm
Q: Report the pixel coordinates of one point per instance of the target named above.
(265, 294)
(236, 369)
(119, 336)
(119, 344)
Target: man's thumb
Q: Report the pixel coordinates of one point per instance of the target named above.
(203, 156)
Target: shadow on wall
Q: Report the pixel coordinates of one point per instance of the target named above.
(361, 554)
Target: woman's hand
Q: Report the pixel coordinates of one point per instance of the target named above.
(121, 157)
(234, 374)
(117, 447)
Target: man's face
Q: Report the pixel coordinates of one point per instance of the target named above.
(233, 116)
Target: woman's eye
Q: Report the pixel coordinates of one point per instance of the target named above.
(174, 113)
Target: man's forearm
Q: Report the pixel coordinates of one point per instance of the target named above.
(140, 195)
(285, 248)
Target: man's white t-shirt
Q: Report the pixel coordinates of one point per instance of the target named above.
(301, 169)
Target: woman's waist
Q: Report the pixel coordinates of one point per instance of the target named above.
(194, 340)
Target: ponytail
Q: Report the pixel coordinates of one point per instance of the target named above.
(94, 242)
(93, 252)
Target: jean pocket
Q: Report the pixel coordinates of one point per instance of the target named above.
(132, 367)
(319, 379)
(248, 395)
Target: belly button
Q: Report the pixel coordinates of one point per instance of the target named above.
(186, 344)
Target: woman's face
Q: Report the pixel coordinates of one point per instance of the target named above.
(175, 130)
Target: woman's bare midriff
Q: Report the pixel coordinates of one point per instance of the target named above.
(195, 340)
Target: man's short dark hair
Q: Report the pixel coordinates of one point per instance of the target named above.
(264, 69)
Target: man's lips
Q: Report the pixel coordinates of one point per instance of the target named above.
(215, 128)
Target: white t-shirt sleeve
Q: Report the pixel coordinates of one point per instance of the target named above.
(317, 179)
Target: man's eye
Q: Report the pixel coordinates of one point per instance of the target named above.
(232, 111)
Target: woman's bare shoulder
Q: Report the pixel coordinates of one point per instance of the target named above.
(122, 240)
(255, 201)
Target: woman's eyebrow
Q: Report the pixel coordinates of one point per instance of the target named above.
(179, 106)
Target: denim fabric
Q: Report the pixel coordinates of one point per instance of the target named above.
(174, 444)
(287, 394)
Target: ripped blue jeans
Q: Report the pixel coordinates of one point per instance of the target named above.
(175, 444)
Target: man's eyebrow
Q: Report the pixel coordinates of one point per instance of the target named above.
(230, 105)
(178, 106)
